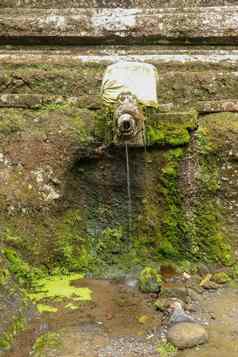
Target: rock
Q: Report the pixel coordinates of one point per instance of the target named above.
(178, 315)
(178, 292)
(208, 284)
(164, 304)
(220, 278)
(186, 276)
(187, 335)
(192, 307)
(150, 280)
(203, 269)
(131, 282)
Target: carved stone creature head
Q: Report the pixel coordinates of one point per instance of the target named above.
(128, 121)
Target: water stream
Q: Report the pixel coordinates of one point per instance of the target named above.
(144, 139)
(128, 189)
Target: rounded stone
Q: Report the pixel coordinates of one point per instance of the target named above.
(186, 335)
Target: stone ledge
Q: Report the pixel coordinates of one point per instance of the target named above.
(203, 25)
(31, 101)
(112, 3)
(157, 55)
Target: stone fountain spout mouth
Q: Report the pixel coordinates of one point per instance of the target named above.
(128, 121)
(126, 125)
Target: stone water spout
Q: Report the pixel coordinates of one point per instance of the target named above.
(128, 87)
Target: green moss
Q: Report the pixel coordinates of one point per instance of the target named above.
(169, 128)
(104, 124)
(150, 280)
(167, 135)
(166, 349)
(53, 106)
(7, 338)
(4, 274)
(24, 273)
(173, 224)
(207, 235)
(49, 340)
(221, 278)
(10, 122)
(72, 249)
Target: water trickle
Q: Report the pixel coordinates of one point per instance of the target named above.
(144, 139)
(128, 188)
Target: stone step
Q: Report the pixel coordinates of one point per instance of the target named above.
(47, 4)
(188, 25)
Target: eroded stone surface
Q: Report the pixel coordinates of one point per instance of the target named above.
(214, 25)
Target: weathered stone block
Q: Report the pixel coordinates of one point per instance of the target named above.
(214, 25)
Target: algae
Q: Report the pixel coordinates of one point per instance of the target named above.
(45, 308)
(60, 287)
(71, 306)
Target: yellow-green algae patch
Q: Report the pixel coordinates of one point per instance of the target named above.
(46, 308)
(59, 286)
(71, 306)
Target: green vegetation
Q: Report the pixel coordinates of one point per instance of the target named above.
(45, 308)
(150, 280)
(25, 275)
(221, 278)
(169, 128)
(49, 340)
(166, 349)
(16, 326)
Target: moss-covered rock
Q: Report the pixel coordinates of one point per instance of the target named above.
(150, 280)
(170, 128)
(221, 278)
(14, 306)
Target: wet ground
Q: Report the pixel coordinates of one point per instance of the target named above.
(118, 322)
(122, 322)
(222, 307)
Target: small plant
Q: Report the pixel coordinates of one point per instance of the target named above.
(166, 349)
(49, 340)
(150, 280)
